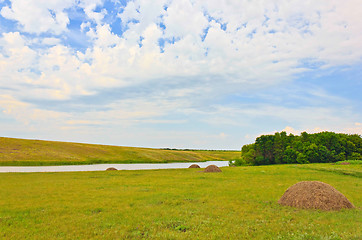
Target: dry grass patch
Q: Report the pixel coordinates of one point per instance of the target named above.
(111, 169)
(212, 168)
(194, 166)
(314, 195)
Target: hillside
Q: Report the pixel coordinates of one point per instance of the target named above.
(15, 151)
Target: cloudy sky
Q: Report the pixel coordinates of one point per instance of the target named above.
(202, 74)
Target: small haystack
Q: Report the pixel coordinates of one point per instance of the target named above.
(314, 195)
(212, 168)
(194, 166)
(111, 169)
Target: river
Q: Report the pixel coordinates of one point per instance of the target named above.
(102, 167)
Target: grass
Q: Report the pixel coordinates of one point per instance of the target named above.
(350, 162)
(239, 203)
(354, 169)
(22, 152)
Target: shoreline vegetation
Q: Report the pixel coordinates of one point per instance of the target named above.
(280, 148)
(24, 152)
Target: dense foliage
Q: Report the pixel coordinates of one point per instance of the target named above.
(307, 148)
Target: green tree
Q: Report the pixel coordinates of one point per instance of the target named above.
(318, 147)
(248, 154)
(356, 156)
(311, 152)
(290, 155)
(302, 158)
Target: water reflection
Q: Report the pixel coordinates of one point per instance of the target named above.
(102, 167)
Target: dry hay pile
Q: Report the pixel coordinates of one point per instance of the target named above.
(345, 163)
(194, 166)
(212, 168)
(314, 195)
(111, 169)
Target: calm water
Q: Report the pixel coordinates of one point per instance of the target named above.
(102, 167)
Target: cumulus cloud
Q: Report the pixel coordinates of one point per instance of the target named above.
(195, 52)
(50, 41)
(27, 113)
(39, 16)
(245, 44)
(89, 7)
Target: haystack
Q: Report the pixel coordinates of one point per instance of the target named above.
(212, 168)
(111, 169)
(194, 166)
(314, 195)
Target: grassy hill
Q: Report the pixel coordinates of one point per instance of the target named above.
(37, 152)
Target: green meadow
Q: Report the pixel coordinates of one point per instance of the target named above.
(23, 152)
(238, 203)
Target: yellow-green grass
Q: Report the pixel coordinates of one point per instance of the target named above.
(352, 169)
(238, 203)
(24, 152)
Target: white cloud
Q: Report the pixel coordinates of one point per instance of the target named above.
(269, 118)
(356, 128)
(50, 41)
(223, 135)
(263, 43)
(184, 18)
(26, 113)
(16, 61)
(83, 122)
(39, 16)
(89, 6)
(195, 52)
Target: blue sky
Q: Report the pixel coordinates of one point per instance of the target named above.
(179, 74)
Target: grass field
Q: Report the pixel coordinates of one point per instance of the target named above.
(22, 152)
(239, 203)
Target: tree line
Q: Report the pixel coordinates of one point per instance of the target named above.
(320, 147)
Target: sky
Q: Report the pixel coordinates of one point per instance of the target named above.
(198, 74)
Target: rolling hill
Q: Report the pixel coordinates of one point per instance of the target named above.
(16, 152)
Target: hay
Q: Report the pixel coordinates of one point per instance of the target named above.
(212, 168)
(314, 195)
(111, 169)
(194, 166)
(345, 163)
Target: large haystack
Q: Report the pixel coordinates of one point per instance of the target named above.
(194, 166)
(212, 168)
(111, 169)
(314, 195)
